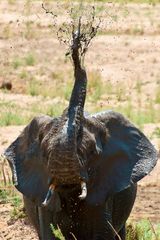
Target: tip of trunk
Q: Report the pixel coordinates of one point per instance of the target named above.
(76, 45)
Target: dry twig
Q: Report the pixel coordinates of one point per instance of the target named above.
(113, 229)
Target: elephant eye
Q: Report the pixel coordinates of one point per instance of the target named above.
(92, 151)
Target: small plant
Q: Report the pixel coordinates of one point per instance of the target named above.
(23, 75)
(17, 211)
(57, 233)
(33, 87)
(17, 62)
(157, 132)
(30, 60)
(138, 86)
(3, 196)
(157, 99)
(17, 201)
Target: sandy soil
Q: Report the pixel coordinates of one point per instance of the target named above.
(127, 51)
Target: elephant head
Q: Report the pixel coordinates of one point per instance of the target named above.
(46, 153)
(103, 153)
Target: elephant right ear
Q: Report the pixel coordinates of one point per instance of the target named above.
(127, 156)
(26, 160)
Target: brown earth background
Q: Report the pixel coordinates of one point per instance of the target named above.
(125, 57)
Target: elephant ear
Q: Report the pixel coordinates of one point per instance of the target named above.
(127, 156)
(27, 162)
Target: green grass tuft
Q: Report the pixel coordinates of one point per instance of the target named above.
(157, 132)
(157, 99)
(57, 233)
(17, 62)
(33, 87)
(30, 60)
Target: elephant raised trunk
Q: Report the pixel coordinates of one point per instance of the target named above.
(74, 115)
(69, 169)
(78, 96)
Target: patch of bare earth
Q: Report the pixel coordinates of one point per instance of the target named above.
(19, 229)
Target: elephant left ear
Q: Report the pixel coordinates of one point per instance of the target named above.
(25, 156)
(127, 156)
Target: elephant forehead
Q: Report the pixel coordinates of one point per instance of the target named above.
(61, 143)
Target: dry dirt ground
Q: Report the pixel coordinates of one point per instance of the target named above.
(126, 53)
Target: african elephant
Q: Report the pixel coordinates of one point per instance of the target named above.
(79, 171)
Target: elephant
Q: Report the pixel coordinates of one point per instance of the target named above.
(79, 171)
